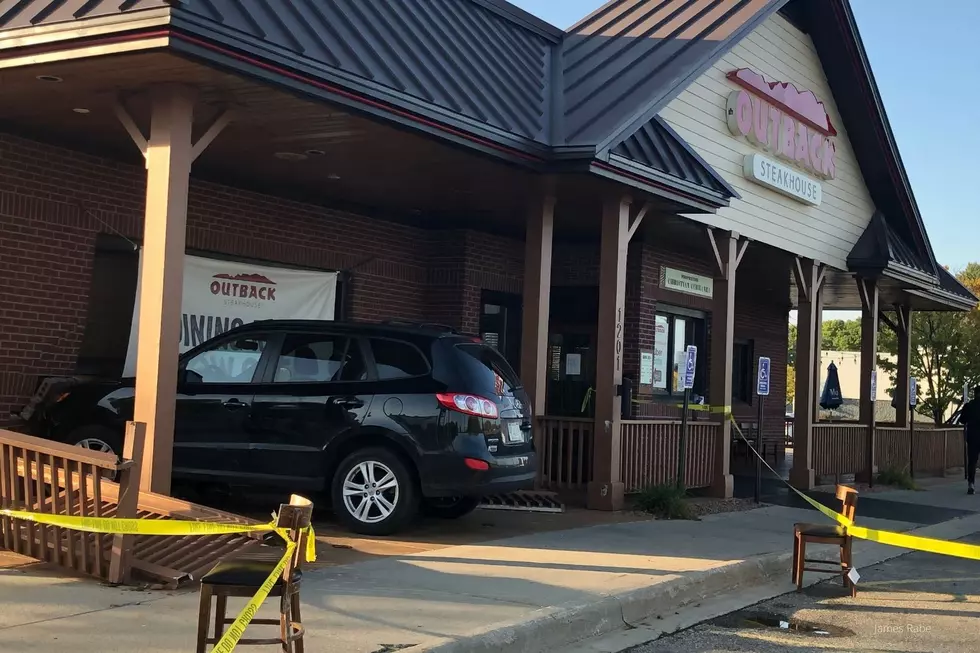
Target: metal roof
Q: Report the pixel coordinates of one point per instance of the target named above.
(32, 13)
(657, 146)
(629, 57)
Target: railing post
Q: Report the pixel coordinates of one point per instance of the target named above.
(120, 562)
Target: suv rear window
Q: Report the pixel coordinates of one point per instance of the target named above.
(488, 370)
(397, 360)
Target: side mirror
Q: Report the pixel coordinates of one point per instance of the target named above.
(189, 376)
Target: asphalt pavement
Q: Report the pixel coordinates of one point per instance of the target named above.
(917, 602)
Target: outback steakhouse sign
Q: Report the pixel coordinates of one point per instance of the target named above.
(245, 286)
(221, 295)
(790, 124)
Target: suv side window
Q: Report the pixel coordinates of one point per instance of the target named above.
(231, 361)
(319, 358)
(397, 360)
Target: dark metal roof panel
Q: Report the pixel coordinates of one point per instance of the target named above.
(657, 146)
(630, 54)
(952, 285)
(881, 246)
(16, 14)
(461, 56)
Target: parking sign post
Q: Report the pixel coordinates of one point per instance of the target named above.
(690, 367)
(913, 399)
(762, 390)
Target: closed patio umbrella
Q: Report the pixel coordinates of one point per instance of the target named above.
(830, 397)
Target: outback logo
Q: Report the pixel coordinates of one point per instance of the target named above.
(244, 286)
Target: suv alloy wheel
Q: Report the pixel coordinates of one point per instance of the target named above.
(373, 492)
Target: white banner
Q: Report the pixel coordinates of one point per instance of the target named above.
(221, 295)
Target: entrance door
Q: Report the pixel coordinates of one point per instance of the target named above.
(500, 324)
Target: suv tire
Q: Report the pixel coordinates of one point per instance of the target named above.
(96, 437)
(381, 494)
(450, 507)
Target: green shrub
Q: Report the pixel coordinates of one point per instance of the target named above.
(665, 501)
(897, 477)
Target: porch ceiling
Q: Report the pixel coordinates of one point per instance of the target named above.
(351, 162)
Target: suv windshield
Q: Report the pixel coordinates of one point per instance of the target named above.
(489, 371)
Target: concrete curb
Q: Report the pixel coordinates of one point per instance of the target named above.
(550, 629)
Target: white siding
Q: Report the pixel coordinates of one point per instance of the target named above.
(782, 53)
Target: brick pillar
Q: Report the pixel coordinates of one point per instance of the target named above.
(605, 492)
(169, 154)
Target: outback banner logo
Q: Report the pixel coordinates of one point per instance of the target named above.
(244, 286)
(781, 119)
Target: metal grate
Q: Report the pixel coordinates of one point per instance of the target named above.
(524, 502)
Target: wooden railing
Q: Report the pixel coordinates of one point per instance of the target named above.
(936, 449)
(649, 451)
(564, 446)
(839, 449)
(842, 449)
(38, 475)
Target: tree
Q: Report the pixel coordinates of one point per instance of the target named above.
(790, 383)
(841, 335)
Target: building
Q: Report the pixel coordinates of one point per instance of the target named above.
(593, 201)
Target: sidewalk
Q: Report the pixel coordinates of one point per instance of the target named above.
(548, 588)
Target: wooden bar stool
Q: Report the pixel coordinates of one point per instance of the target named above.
(826, 534)
(242, 576)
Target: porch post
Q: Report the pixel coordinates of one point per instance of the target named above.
(903, 332)
(537, 298)
(605, 491)
(725, 246)
(809, 278)
(818, 367)
(868, 289)
(168, 164)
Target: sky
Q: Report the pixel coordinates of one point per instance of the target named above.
(925, 63)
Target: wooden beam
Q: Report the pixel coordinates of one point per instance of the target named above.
(211, 133)
(802, 287)
(722, 268)
(883, 317)
(639, 219)
(744, 245)
(132, 129)
(902, 317)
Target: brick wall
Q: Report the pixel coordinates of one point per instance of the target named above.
(54, 202)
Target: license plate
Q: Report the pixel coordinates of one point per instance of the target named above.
(514, 434)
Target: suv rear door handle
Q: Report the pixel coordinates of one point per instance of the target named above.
(235, 404)
(347, 402)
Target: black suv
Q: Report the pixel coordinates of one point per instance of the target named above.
(385, 417)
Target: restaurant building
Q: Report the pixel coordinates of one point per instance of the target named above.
(591, 201)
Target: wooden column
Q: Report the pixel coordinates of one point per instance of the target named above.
(537, 298)
(605, 492)
(818, 363)
(809, 276)
(903, 332)
(169, 154)
(868, 290)
(728, 254)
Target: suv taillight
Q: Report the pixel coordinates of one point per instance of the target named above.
(468, 404)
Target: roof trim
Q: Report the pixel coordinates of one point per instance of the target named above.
(523, 18)
(657, 183)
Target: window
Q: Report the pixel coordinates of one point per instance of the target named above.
(318, 358)
(742, 372)
(232, 361)
(397, 360)
(673, 332)
(487, 371)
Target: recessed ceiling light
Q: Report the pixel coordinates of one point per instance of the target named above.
(81, 110)
(333, 176)
(49, 78)
(315, 152)
(290, 156)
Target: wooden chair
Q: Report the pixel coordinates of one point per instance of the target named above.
(826, 534)
(242, 576)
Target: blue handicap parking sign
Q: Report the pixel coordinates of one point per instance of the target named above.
(762, 388)
(690, 366)
(913, 391)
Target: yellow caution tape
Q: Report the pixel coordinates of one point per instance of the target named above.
(229, 640)
(120, 526)
(901, 540)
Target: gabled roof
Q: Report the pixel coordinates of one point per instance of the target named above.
(881, 250)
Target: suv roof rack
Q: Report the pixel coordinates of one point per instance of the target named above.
(420, 325)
